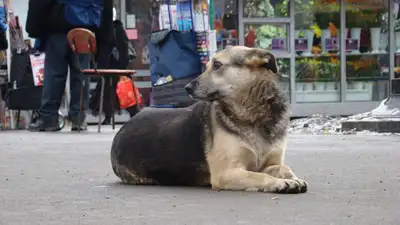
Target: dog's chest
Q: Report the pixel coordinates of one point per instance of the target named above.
(250, 148)
(255, 143)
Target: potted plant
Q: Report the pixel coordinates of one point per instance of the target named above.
(375, 28)
(305, 18)
(323, 20)
(354, 28)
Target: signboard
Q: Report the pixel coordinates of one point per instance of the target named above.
(301, 44)
(131, 21)
(332, 44)
(37, 62)
(352, 44)
(278, 44)
(132, 34)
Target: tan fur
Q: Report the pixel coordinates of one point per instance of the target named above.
(246, 87)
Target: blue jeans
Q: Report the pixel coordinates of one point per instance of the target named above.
(57, 59)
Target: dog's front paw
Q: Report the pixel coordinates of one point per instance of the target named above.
(286, 186)
(303, 185)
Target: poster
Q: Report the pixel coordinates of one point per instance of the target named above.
(212, 42)
(184, 13)
(164, 17)
(130, 21)
(37, 62)
(278, 44)
(301, 44)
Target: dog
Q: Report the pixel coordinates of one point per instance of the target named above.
(232, 138)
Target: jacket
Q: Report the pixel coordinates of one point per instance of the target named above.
(47, 17)
(83, 12)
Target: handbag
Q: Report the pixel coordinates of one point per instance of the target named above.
(173, 52)
(21, 68)
(127, 93)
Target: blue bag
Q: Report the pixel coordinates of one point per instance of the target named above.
(173, 53)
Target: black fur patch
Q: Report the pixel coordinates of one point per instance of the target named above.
(165, 145)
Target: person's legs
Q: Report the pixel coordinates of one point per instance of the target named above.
(55, 75)
(77, 79)
(133, 110)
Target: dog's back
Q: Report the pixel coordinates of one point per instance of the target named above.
(163, 146)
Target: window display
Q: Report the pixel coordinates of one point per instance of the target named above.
(226, 22)
(396, 14)
(317, 46)
(367, 58)
(271, 36)
(266, 8)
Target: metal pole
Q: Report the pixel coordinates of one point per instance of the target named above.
(123, 11)
(343, 81)
(292, 52)
(392, 44)
(241, 24)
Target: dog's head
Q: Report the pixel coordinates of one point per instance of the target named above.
(233, 72)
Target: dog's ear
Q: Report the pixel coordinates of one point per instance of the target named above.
(261, 58)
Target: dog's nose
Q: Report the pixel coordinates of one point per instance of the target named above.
(190, 87)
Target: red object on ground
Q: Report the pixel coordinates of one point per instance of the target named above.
(126, 94)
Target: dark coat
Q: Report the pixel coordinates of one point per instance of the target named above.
(107, 61)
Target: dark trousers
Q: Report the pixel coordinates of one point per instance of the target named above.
(59, 57)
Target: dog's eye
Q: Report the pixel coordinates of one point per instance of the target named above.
(216, 65)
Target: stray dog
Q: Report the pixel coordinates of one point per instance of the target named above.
(233, 138)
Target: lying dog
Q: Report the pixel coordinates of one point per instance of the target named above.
(233, 138)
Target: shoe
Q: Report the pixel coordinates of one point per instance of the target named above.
(41, 126)
(76, 126)
(106, 122)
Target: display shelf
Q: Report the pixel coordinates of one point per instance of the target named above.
(329, 91)
(337, 55)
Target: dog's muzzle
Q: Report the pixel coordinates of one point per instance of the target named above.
(191, 87)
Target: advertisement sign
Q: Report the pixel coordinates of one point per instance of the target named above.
(37, 62)
(301, 44)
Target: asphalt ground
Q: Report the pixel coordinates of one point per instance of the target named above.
(66, 178)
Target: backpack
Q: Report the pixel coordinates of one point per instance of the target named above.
(85, 13)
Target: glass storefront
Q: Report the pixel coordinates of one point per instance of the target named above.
(335, 52)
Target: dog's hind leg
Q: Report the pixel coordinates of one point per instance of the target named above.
(243, 180)
(129, 177)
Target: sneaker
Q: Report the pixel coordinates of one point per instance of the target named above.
(41, 126)
(76, 126)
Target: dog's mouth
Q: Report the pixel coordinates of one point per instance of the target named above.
(213, 96)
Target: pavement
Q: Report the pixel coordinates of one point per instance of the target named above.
(66, 178)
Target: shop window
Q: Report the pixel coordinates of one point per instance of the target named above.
(396, 14)
(146, 16)
(367, 58)
(317, 47)
(266, 8)
(273, 37)
(226, 22)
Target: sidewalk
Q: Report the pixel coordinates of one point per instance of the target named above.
(66, 178)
